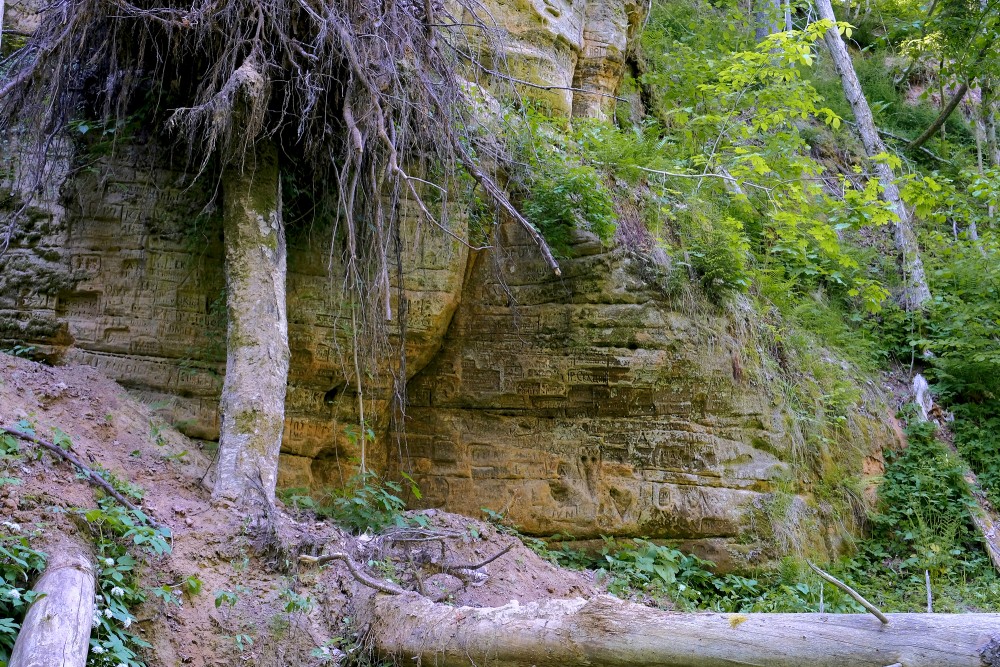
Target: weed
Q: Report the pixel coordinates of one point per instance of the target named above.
(118, 534)
(19, 564)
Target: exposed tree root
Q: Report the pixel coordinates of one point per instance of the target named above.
(91, 476)
(465, 572)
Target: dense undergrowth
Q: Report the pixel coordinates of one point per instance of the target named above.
(746, 170)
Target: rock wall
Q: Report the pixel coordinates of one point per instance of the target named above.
(592, 405)
(588, 404)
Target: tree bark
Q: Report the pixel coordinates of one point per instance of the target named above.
(765, 18)
(987, 108)
(56, 629)
(915, 292)
(942, 117)
(253, 393)
(609, 632)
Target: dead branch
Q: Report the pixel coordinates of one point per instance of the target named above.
(461, 570)
(896, 137)
(486, 562)
(91, 476)
(850, 591)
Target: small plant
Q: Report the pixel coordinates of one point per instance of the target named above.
(19, 564)
(370, 502)
(298, 498)
(9, 446)
(296, 603)
(243, 642)
(156, 433)
(22, 351)
(118, 533)
(228, 598)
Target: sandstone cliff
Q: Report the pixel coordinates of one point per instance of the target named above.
(588, 404)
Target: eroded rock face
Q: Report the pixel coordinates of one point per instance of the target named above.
(128, 278)
(596, 407)
(572, 51)
(588, 404)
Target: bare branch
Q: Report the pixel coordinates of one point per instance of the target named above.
(850, 591)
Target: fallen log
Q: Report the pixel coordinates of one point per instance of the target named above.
(56, 629)
(609, 632)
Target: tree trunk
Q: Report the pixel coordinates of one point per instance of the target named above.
(609, 632)
(987, 108)
(56, 629)
(942, 117)
(765, 18)
(915, 292)
(253, 394)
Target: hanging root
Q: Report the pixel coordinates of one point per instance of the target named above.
(366, 95)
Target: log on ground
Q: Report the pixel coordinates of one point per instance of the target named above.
(56, 629)
(612, 633)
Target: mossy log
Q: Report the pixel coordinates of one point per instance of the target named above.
(612, 633)
(56, 629)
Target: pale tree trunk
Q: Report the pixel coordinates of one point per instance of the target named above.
(609, 632)
(987, 109)
(765, 18)
(56, 629)
(253, 394)
(915, 292)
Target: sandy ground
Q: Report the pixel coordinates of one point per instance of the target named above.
(111, 429)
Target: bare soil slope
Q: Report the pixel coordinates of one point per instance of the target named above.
(217, 545)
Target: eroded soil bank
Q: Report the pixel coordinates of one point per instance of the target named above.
(232, 598)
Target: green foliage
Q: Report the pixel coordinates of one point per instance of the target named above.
(719, 256)
(23, 351)
(9, 446)
(924, 503)
(958, 332)
(561, 193)
(735, 160)
(229, 598)
(19, 563)
(563, 197)
(369, 502)
(119, 535)
(977, 437)
(640, 565)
